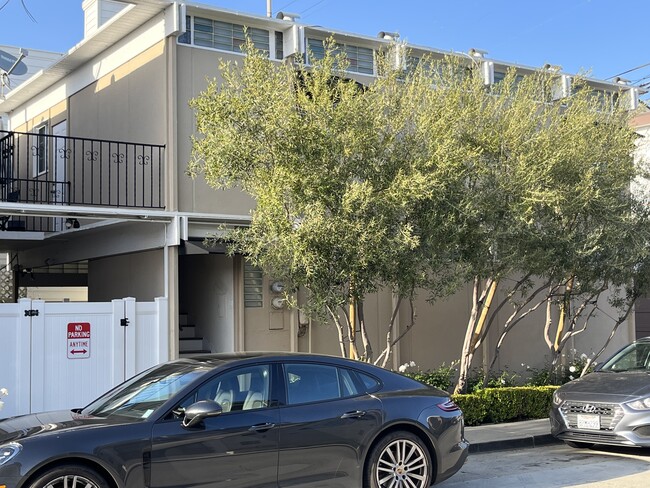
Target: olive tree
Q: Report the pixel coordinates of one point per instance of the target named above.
(350, 182)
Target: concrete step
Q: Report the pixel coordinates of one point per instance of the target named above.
(187, 332)
(191, 344)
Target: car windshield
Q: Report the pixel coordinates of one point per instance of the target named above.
(140, 396)
(635, 357)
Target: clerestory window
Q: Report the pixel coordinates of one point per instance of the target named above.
(221, 35)
(361, 59)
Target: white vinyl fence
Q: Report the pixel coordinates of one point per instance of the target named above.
(63, 355)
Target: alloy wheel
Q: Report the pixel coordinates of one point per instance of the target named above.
(402, 463)
(71, 481)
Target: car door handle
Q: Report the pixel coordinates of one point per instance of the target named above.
(357, 414)
(261, 427)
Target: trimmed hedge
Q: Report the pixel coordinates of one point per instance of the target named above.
(508, 404)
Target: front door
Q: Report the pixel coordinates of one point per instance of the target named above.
(237, 449)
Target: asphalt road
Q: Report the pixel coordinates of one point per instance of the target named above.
(555, 466)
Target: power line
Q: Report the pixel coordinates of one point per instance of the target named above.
(287, 5)
(629, 71)
(315, 5)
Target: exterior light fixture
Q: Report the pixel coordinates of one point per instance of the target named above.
(71, 224)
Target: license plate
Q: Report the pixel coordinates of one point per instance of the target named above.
(591, 422)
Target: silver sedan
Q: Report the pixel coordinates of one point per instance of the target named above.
(609, 406)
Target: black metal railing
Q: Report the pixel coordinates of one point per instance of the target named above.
(60, 170)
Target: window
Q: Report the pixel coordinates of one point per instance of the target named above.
(361, 59)
(370, 383)
(279, 45)
(499, 76)
(308, 383)
(244, 388)
(39, 150)
(226, 36)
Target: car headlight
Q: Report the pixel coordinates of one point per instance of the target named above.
(557, 398)
(643, 404)
(9, 451)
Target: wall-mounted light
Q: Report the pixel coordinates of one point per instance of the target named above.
(71, 224)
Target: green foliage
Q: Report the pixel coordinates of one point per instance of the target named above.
(420, 180)
(473, 406)
(497, 379)
(558, 374)
(442, 377)
(494, 405)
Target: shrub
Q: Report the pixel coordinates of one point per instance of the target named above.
(473, 406)
(505, 404)
(442, 377)
(497, 379)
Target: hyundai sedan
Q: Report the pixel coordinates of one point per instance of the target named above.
(257, 420)
(609, 406)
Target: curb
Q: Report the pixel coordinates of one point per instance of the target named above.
(519, 443)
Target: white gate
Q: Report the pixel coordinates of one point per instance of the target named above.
(63, 355)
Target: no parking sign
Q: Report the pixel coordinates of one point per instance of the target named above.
(78, 340)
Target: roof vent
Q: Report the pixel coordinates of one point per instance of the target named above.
(388, 36)
(287, 16)
(477, 53)
(552, 68)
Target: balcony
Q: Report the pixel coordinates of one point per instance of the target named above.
(38, 168)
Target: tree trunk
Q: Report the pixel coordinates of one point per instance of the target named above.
(367, 347)
(467, 353)
(341, 332)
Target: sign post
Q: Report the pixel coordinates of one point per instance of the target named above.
(78, 340)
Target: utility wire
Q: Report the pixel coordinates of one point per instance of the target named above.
(22, 2)
(629, 71)
(287, 5)
(315, 5)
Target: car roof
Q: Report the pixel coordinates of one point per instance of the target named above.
(220, 359)
(223, 359)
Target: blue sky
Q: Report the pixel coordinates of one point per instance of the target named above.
(604, 37)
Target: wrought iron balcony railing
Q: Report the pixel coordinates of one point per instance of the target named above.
(61, 170)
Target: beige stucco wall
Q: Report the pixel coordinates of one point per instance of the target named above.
(128, 104)
(194, 67)
(138, 275)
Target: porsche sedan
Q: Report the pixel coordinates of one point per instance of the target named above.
(609, 406)
(255, 420)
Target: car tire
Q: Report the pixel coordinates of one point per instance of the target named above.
(70, 476)
(399, 459)
(579, 445)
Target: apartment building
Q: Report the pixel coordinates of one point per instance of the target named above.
(93, 162)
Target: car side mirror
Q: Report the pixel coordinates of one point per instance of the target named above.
(197, 412)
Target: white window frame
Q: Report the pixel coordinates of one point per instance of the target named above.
(40, 154)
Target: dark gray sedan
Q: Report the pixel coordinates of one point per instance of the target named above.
(243, 421)
(609, 406)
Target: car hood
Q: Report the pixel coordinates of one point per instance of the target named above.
(631, 384)
(16, 428)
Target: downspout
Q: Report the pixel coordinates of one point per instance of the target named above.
(177, 25)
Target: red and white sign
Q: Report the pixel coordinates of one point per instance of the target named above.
(78, 340)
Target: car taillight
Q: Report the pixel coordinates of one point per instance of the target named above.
(448, 406)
